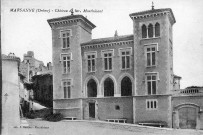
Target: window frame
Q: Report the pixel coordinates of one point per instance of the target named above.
(150, 30)
(125, 57)
(103, 52)
(144, 31)
(147, 74)
(150, 103)
(67, 46)
(153, 30)
(150, 46)
(68, 86)
(91, 59)
(62, 62)
(157, 26)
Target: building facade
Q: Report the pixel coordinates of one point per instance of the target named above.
(121, 77)
(10, 92)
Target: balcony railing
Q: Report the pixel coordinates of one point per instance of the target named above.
(191, 91)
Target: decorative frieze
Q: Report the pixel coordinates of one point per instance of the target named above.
(64, 21)
(108, 44)
(149, 15)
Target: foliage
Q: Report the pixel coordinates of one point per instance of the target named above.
(38, 114)
(30, 115)
(53, 117)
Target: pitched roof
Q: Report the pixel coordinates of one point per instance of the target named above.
(109, 39)
(154, 11)
(71, 17)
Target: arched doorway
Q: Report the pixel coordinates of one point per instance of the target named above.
(92, 88)
(126, 87)
(187, 117)
(108, 87)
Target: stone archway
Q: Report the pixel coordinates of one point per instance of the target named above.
(108, 80)
(108, 87)
(186, 116)
(89, 87)
(126, 86)
(92, 88)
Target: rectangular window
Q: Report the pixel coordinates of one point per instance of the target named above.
(151, 84)
(151, 56)
(67, 88)
(107, 60)
(66, 58)
(151, 104)
(125, 58)
(91, 62)
(65, 37)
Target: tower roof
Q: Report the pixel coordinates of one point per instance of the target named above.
(70, 18)
(153, 12)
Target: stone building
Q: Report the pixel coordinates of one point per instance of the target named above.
(30, 65)
(128, 77)
(10, 92)
(187, 107)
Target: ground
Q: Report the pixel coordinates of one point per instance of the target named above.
(39, 127)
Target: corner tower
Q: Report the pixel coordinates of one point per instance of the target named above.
(67, 34)
(153, 70)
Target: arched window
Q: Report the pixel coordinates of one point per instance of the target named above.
(144, 31)
(126, 87)
(108, 87)
(150, 30)
(157, 30)
(91, 88)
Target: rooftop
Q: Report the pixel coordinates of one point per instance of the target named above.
(154, 11)
(69, 18)
(109, 39)
(11, 56)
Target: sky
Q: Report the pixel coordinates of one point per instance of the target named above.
(29, 31)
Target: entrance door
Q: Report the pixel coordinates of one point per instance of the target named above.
(92, 110)
(187, 118)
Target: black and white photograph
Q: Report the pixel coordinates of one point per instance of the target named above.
(102, 67)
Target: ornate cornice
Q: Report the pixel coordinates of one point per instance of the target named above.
(154, 13)
(108, 44)
(70, 19)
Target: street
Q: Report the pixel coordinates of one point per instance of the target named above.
(39, 127)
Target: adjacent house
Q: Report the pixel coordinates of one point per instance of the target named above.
(10, 91)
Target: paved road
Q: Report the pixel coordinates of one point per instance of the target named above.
(37, 127)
